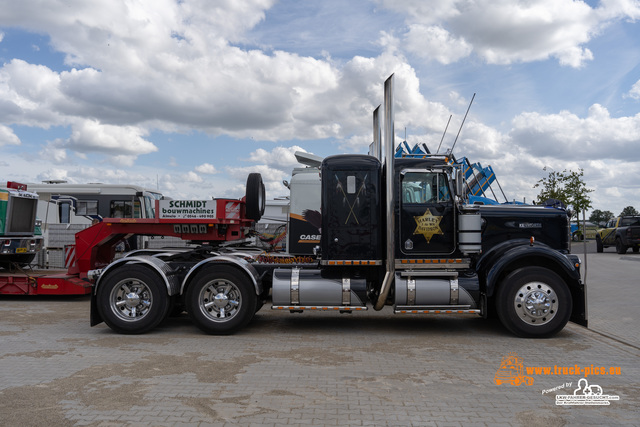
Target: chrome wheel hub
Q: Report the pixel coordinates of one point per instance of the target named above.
(536, 303)
(220, 300)
(130, 299)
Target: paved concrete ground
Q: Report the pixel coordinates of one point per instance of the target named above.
(613, 284)
(371, 368)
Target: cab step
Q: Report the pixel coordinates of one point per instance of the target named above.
(301, 308)
(435, 309)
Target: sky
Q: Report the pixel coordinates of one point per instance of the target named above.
(190, 96)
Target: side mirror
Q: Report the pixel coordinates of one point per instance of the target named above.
(459, 183)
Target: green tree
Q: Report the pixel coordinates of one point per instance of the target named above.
(551, 188)
(600, 217)
(566, 186)
(629, 211)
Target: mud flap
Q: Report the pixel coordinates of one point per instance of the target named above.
(579, 312)
(95, 318)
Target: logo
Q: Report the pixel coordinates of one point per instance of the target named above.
(585, 395)
(530, 225)
(46, 286)
(511, 371)
(315, 237)
(428, 225)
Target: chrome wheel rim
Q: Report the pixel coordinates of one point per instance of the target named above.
(536, 303)
(220, 300)
(131, 300)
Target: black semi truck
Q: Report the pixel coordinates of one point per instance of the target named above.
(397, 234)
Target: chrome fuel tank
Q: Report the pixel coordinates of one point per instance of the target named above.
(313, 288)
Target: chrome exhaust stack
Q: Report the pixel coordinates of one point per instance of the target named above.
(377, 135)
(389, 133)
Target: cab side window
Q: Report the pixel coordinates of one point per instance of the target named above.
(87, 207)
(121, 209)
(64, 211)
(424, 187)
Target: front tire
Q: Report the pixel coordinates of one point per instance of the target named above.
(221, 300)
(132, 300)
(599, 247)
(534, 302)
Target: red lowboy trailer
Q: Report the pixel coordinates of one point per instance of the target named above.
(214, 221)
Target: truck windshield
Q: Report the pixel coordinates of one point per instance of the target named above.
(150, 203)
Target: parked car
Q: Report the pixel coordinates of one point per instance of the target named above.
(622, 232)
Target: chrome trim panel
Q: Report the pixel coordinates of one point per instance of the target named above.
(346, 291)
(454, 291)
(295, 286)
(411, 291)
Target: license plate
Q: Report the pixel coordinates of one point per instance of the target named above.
(21, 250)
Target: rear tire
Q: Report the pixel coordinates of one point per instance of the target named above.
(599, 247)
(132, 300)
(620, 248)
(533, 302)
(221, 300)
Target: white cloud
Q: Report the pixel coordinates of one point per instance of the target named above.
(54, 153)
(54, 174)
(92, 136)
(504, 32)
(172, 66)
(268, 174)
(206, 168)
(192, 177)
(280, 157)
(7, 137)
(565, 135)
(635, 91)
(434, 42)
(30, 94)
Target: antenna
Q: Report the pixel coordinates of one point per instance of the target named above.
(462, 124)
(445, 132)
